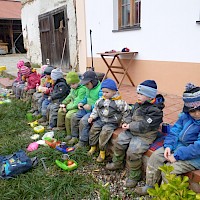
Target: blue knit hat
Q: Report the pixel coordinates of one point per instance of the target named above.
(110, 84)
(148, 88)
(191, 98)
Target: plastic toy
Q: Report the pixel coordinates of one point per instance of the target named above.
(67, 165)
(65, 149)
(53, 143)
(33, 146)
(48, 135)
(39, 129)
(29, 117)
(33, 124)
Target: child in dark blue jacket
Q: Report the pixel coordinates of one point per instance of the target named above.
(181, 145)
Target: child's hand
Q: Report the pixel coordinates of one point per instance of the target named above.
(167, 153)
(171, 158)
(90, 119)
(80, 106)
(25, 89)
(87, 107)
(125, 126)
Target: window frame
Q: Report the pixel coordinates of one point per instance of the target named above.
(132, 19)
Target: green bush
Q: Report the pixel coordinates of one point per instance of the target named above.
(175, 189)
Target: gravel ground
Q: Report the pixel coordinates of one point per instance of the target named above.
(113, 181)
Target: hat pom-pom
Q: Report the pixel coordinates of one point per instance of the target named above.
(189, 86)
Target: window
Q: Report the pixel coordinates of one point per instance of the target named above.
(129, 13)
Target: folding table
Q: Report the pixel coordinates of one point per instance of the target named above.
(121, 69)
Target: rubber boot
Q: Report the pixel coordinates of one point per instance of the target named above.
(68, 126)
(114, 166)
(142, 190)
(92, 150)
(73, 141)
(101, 156)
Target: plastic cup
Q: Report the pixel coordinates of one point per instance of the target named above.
(29, 117)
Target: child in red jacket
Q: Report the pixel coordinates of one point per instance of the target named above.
(33, 79)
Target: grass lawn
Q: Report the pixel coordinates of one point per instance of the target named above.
(37, 183)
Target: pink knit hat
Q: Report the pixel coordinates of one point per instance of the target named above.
(20, 64)
(43, 68)
(25, 70)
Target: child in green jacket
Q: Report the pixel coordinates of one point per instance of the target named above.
(69, 105)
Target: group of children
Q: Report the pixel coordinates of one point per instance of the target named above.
(90, 111)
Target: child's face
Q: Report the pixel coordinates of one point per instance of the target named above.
(195, 114)
(107, 93)
(74, 85)
(89, 85)
(141, 98)
(48, 76)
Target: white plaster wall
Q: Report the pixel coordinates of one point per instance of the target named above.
(168, 30)
(30, 26)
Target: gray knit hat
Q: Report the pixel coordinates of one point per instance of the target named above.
(56, 74)
(148, 88)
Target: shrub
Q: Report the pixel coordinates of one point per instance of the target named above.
(175, 189)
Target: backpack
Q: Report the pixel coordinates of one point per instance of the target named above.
(14, 164)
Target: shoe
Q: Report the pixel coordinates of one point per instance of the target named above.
(81, 144)
(142, 190)
(68, 137)
(36, 113)
(43, 119)
(49, 128)
(114, 166)
(44, 123)
(92, 150)
(31, 110)
(131, 183)
(58, 128)
(101, 157)
(73, 141)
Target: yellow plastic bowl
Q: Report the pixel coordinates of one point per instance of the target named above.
(39, 129)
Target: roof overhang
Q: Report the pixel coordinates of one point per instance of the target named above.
(10, 10)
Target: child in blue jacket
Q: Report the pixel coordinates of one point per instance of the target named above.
(181, 145)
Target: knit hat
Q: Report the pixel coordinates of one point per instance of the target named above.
(148, 88)
(25, 70)
(56, 74)
(20, 63)
(48, 70)
(191, 98)
(43, 68)
(110, 84)
(72, 77)
(88, 76)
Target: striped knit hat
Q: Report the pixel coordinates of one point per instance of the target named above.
(25, 70)
(20, 63)
(191, 98)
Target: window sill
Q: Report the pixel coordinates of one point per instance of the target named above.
(127, 29)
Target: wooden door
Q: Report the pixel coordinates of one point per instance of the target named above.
(54, 38)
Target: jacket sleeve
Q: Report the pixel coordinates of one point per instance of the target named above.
(150, 121)
(171, 140)
(188, 152)
(94, 113)
(100, 95)
(68, 98)
(80, 96)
